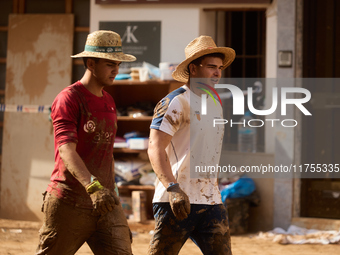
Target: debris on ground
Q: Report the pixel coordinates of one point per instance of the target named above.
(298, 235)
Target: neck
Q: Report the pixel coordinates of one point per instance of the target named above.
(194, 89)
(91, 84)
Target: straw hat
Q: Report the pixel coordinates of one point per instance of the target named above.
(199, 47)
(105, 44)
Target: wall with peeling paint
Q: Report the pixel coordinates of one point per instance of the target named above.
(38, 68)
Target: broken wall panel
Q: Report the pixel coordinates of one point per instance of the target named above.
(38, 67)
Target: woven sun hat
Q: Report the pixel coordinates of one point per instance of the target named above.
(199, 47)
(105, 44)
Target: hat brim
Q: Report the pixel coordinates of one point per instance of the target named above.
(117, 56)
(181, 72)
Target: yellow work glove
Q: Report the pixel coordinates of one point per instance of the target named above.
(103, 199)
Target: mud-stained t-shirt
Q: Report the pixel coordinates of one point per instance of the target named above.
(91, 122)
(195, 147)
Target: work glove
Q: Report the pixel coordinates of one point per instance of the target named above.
(179, 201)
(103, 199)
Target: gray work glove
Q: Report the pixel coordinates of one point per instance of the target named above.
(179, 202)
(103, 199)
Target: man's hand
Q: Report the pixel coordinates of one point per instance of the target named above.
(179, 202)
(103, 199)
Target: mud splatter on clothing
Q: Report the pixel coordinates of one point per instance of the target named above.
(67, 227)
(193, 143)
(207, 226)
(91, 122)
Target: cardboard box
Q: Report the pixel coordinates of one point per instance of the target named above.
(127, 205)
(138, 143)
(139, 206)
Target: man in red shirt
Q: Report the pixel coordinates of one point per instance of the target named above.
(80, 203)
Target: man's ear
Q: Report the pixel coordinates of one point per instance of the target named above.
(90, 63)
(192, 68)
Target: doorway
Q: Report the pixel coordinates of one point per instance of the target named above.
(244, 32)
(320, 198)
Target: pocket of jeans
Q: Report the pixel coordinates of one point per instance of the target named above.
(158, 210)
(161, 212)
(44, 199)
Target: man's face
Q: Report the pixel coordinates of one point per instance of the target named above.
(210, 68)
(105, 71)
(208, 73)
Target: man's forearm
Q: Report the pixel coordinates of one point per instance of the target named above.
(161, 165)
(74, 164)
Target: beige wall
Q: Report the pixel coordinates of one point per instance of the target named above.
(260, 217)
(180, 23)
(38, 67)
(271, 69)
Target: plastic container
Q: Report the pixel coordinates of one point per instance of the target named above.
(166, 70)
(135, 73)
(246, 135)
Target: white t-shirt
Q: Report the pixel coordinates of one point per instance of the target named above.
(195, 146)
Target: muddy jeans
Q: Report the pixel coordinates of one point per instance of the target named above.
(207, 226)
(66, 228)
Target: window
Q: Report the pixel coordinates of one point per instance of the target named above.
(245, 33)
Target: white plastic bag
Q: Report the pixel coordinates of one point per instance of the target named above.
(128, 168)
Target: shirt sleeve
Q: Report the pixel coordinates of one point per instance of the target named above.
(65, 116)
(168, 116)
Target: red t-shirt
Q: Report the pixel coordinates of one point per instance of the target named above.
(91, 122)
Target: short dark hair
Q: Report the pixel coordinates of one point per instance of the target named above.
(86, 58)
(199, 60)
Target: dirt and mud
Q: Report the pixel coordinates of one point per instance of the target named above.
(21, 237)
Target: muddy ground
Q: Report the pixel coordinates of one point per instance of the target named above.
(21, 237)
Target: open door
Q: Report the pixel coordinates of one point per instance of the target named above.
(320, 198)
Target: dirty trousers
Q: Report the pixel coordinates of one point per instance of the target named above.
(66, 228)
(207, 226)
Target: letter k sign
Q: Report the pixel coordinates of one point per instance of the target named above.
(129, 36)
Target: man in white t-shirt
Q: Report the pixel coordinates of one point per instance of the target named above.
(184, 151)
